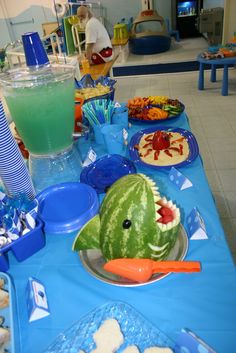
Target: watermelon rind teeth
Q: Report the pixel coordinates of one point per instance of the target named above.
(149, 180)
(157, 198)
(157, 248)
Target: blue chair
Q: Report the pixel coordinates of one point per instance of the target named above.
(172, 33)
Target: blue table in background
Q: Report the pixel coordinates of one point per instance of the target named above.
(226, 62)
(204, 302)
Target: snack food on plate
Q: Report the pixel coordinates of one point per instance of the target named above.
(163, 148)
(154, 107)
(134, 222)
(91, 92)
(108, 337)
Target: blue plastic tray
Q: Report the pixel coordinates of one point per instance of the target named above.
(9, 315)
(105, 171)
(192, 142)
(135, 328)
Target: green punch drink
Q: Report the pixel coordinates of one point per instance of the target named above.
(41, 104)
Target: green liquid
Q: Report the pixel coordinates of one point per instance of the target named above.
(43, 115)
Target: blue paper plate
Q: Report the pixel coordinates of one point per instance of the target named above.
(66, 207)
(192, 143)
(136, 329)
(137, 120)
(105, 171)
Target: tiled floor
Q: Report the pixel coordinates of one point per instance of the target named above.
(185, 50)
(213, 121)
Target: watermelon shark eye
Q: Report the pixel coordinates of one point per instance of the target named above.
(126, 224)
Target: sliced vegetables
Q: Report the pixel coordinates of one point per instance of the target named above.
(154, 107)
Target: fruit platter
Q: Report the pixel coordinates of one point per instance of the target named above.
(152, 109)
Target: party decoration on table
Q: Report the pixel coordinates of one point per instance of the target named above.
(104, 321)
(134, 222)
(154, 108)
(91, 158)
(89, 89)
(98, 111)
(37, 303)
(141, 270)
(8, 316)
(106, 171)
(188, 341)
(196, 225)
(179, 180)
(163, 147)
(13, 170)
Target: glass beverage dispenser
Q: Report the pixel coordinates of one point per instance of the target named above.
(40, 99)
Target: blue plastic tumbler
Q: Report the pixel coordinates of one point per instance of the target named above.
(35, 53)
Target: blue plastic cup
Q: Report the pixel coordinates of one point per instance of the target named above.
(35, 53)
(114, 139)
(98, 136)
(120, 117)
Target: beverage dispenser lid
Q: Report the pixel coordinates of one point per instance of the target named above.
(28, 77)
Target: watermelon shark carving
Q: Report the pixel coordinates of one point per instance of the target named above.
(134, 222)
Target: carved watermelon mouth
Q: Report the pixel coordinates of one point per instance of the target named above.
(167, 214)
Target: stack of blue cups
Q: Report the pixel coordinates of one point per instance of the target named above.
(13, 170)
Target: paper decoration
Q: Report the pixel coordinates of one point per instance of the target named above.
(117, 105)
(196, 225)
(36, 300)
(187, 341)
(91, 157)
(179, 180)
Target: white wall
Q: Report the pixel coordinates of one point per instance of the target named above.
(209, 4)
(28, 15)
(18, 17)
(229, 20)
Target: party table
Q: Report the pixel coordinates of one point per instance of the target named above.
(203, 302)
(226, 62)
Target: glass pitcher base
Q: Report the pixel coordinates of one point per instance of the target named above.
(48, 170)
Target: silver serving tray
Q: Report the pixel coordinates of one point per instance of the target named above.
(93, 262)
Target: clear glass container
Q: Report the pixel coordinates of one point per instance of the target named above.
(47, 170)
(41, 103)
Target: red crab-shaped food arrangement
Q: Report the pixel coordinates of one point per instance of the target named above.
(161, 140)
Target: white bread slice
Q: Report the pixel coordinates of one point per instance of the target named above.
(108, 337)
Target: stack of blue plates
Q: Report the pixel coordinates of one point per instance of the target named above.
(66, 207)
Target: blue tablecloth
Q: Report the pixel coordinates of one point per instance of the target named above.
(204, 302)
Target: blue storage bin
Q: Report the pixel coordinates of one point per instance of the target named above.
(23, 247)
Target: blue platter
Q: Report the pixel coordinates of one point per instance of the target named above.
(105, 171)
(136, 329)
(192, 143)
(137, 120)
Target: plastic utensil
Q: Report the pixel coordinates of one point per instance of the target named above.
(141, 270)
